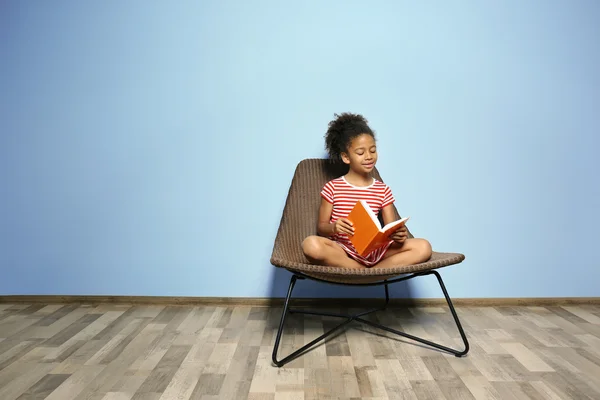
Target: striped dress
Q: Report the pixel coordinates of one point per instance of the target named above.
(343, 195)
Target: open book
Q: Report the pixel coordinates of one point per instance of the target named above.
(368, 232)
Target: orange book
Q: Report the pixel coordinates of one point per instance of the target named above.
(368, 232)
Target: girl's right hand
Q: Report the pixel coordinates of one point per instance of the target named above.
(343, 225)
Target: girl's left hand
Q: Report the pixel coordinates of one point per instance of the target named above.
(400, 235)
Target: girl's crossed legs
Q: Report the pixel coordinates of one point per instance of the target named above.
(323, 251)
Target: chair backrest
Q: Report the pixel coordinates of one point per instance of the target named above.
(301, 210)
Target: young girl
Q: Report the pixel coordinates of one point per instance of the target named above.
(350, 139)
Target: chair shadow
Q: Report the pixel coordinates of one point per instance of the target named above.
(381, 334)
(310, 289)
(399, 339)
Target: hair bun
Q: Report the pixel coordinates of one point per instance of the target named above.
(342, 130)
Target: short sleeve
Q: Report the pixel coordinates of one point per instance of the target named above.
(388, 197)
(327, 192)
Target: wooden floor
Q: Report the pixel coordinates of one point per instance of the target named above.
(120, 352)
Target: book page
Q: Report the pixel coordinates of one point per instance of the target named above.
(392, 226)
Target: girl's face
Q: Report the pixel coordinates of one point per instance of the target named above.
(361, 154)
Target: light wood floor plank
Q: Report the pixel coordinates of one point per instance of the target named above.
(85, 335)
(481, 388)
(237, 380)
(583, 313)
(184, 381)
(77, 382)
(23, 377)
(395, 379)
(344, 382)
(526, 357)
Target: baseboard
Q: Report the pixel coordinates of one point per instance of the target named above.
(320, 302)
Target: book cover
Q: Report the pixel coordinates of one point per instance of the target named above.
(368, 232)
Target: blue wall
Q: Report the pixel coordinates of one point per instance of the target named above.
(146, 147)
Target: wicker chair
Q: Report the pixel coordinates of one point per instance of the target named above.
(299, 220)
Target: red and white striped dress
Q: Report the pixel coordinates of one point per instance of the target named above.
(343, 195)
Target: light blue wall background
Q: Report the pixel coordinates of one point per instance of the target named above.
(146, 147)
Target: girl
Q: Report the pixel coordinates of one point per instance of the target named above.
(350, 139)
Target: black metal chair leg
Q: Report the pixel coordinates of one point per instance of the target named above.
(290, 357)
(281, 323)
(454, 315)
(457, 353)
(387, 296)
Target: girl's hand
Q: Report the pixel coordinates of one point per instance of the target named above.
(343, 225)
(400, 235)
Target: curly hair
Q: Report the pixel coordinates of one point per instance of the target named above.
(342, 130)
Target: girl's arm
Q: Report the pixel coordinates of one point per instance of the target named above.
(388, 214)
(324, 227)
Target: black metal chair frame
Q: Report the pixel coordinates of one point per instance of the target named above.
(359, 317)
